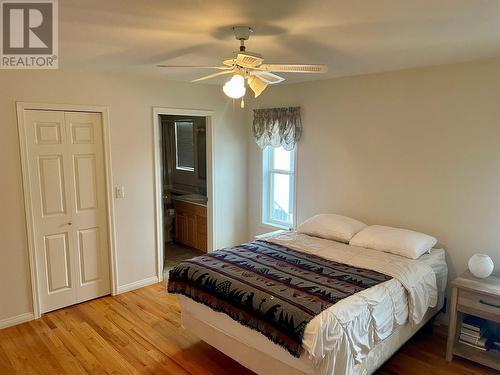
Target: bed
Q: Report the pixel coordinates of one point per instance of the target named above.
(355, 335)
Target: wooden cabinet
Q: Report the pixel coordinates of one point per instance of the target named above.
(191, 225)
(180, 227)
(476, 297)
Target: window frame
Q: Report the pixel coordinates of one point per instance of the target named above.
(177, 167)
(267, 189)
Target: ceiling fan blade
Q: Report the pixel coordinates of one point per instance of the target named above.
(257, 85)
(213, 75)
(268, 77)
(194, 67)
(294, 68)
(248, 59)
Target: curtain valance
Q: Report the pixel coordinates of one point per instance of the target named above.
(277, 127)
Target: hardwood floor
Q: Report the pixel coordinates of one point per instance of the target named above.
(139, 333)
(175, 253)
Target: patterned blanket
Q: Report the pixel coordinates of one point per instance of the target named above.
(269, 288)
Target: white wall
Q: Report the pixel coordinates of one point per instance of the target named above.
(130, 101)
(418, 149)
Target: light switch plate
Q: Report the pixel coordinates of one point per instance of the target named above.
(119, 192)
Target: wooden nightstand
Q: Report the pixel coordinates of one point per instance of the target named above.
(480, 298)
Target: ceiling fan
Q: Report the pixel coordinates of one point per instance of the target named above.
(249, 66)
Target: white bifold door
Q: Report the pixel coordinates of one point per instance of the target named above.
(68, 206)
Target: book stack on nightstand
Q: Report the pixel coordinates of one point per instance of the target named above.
(494, 344)
(473, 333)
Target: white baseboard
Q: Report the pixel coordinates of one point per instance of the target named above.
(18, 319)
(137, 284)
(26, 317)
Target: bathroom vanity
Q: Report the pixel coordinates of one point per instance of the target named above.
(191, 222)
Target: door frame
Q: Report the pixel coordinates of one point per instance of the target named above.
(208, 114)
(30, 229)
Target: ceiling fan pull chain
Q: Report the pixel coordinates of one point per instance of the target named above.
(242, 104)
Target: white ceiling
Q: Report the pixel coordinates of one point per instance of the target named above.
(350, 36)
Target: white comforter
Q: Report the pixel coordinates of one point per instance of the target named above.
(342, 335)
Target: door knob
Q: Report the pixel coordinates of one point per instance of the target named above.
(70, 223)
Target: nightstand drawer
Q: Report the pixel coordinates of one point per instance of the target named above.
(479, 304)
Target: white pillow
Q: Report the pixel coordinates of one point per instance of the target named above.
(398, 241)
(331, 227)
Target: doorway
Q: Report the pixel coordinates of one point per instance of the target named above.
(65, 177)
(183, 159)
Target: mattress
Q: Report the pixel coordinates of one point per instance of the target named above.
(342, 338)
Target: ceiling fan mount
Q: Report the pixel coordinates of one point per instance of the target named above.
(242, 32)
(246, 65)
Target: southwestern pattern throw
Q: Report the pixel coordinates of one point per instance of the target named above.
(269, 288)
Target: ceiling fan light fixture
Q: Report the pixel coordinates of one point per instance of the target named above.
(235, 87)
(249, 65)
(257, 85)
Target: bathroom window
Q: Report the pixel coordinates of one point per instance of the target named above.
(278, 190)
(184, 145)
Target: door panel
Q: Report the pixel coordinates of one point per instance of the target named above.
(181, 227)
(51, 174)
(82, 133)
(48, 133)
(191, 230)
(51, 205)
(88, 246)
(201, 232)
(58, 269)
(67, 183)
(89, 212)
(85, 182)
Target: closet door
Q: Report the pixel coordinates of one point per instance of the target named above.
(66, 179)
(89, 224)
(51, 204)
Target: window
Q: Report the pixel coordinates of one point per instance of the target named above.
(184, 145)
(278, 193)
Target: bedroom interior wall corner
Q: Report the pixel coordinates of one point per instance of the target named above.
(414, 148)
